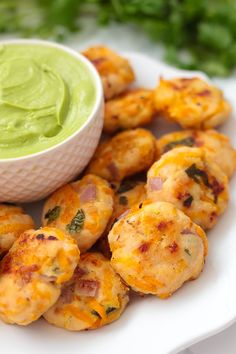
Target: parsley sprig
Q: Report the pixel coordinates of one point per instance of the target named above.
(77, 222)
(52, 214)
(196, 34)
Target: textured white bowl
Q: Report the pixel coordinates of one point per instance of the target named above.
(35, 176)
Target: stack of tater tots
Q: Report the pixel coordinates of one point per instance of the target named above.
(135, 220)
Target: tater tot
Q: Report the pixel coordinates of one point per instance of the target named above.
(123, 201)
(13, 221)
(93, 298)
(132, 109)
(115, 71)
(192, 103)
(156, 248)
(189, 179)
(82, 209)
(32, 273)
(124, 155)
(216, 145)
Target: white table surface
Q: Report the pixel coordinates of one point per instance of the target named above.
(123, 38)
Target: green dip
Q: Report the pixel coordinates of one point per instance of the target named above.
(46, 95)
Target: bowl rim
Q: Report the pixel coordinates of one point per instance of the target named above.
(97, 82)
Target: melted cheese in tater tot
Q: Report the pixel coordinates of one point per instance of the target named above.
(115, 71)
(13, 221)
(156, 248)
(123, 201)
(93, 298)
(190, 180)
(81, 209)
(191, 102)
(124, 155)
(32, 273)
(132, 109)
(216, 145)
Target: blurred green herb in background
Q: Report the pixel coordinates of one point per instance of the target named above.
(197, 34)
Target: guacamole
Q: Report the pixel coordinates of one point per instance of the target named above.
(46, 95)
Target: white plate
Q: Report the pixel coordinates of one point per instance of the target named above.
(149, 325)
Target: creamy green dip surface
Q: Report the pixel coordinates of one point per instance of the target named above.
(46, 95)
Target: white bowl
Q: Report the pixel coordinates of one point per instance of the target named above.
(33, 177)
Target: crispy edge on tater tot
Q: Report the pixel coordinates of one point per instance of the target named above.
(115, 71)
(191, 102)
(124, 155)
(216, 145)
(132, 109)
(13, 221)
